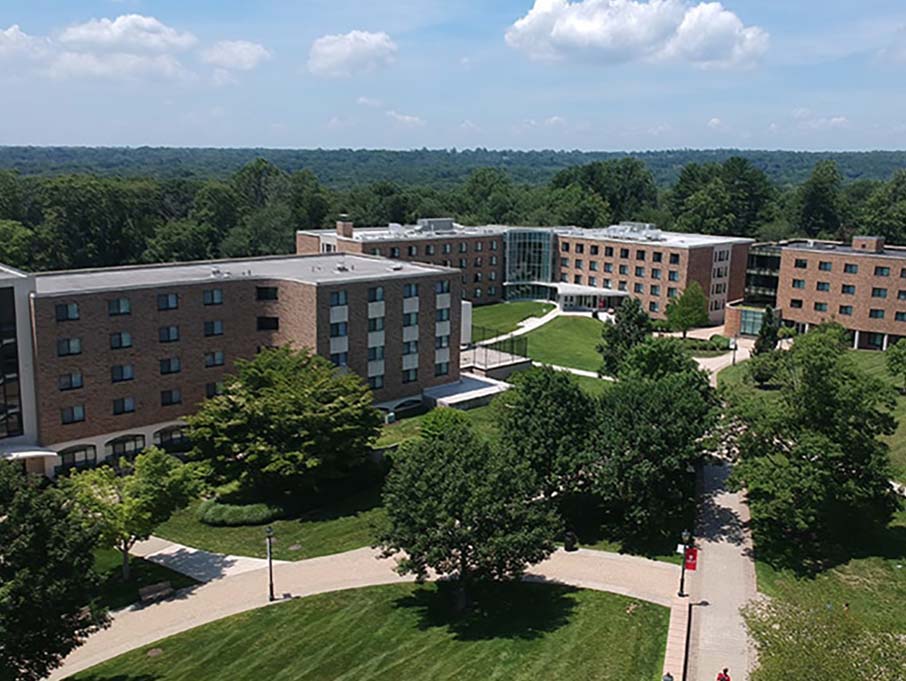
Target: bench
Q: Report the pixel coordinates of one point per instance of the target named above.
(154, 592)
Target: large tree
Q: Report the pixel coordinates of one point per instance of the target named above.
(896, 360)
(286, 421)
(626, 184)
(461, 509)
(127, 504)
(46, 577)
(688, 311)
(631, 326)
(545, 420)
(16, 243)
(768, 334)
(656, 358)
(884, 213)
(181, 240)
(820, 207)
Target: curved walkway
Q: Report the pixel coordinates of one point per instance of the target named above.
(136, 627)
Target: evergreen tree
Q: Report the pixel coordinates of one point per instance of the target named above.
(688, 311)
(631, 326)
(768, 334)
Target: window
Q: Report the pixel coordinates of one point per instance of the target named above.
(213, 328)
(376, 354)
(593, 266)
(441, 342)
(339, 298)
(375, 382)
(900, 316)
(412, 251)
(67, 312)
(119, 307)
(577, 279)
(410, 375)
(122, 373)
(798, 283)
(655, 290)
(67, 347)
(442, 286)
(442, 369)
(580, 248)
(71, 381)
(621, 286)
(848, 290)
(796, 304)
(820, 307)
(463, 247)
(657, 256)
(394, 252)
(825, 266)
(447, 248)
(492, 290)
(579, 264)
(376, 294)
(494, 245)
(339, 330)
(564, 262)
(606, 283)
(340, 359)
(671, 292)
(564, 247)
(879, 293)
(268, 323)
(477, 277)
(608, 267)
(903, 273)
(213, 296)
(851, 268)
(801, 264)
(822, 286)
(882, 271)
(167, 301)
(266, 292)
(170, 397)
(624, 253)
(595, 250)
(127, 445)
(411, 318)
(640, 271)
(74, 414)
(640, 255)
(901, 295)
(123, 405)
(592, 281)
(78, 458)
(653, 306)
(846, 310)
(171, 365)
(213, 389)
(443, 315)
(375, 324)
(168, 334)
(410, 291)
(638, 288)
(674, 258)
(876, 314)
(655, 273)
(213, 359)
(410, 348)
(624, 270)
(673, 275)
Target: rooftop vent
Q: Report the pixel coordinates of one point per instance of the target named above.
(396, 228)
(437, 225)
(342, 267)
(396, 268)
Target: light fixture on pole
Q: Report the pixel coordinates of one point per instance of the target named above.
(269, 534)
(687, 536)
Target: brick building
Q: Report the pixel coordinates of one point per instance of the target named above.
(578, 268)
(120, 355)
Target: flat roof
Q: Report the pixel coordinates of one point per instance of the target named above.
(7, 272)
(328, 268)
(843, 249)
(653, 237)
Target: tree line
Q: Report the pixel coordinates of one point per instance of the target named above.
(77, 221)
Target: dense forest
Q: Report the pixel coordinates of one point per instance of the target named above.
(346, 168)
(50, 222)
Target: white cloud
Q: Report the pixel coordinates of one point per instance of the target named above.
(14, 41)
(469, 126)
(406, 119)
(223, 77)
(237, 55)
(370, 102)
(715, 124)
(337, 56)
(115, 66)
(807, 120)
(130, 31)
(617, 31)
(555, 122)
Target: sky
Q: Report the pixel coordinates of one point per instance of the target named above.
(501, 74)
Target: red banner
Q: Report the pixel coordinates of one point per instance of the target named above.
(691, 559)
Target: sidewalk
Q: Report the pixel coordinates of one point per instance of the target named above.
(202, 566)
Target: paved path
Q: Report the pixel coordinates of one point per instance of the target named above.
(577, 372)
(628, 575)
(723, 583)
(202, 566)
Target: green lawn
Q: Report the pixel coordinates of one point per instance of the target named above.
(567, 342)
(515, 632)
(490, 321)
(482, 419)
(115, 593)
(593, 386)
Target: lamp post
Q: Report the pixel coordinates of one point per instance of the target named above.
(687, 536)
(269, 534)
(733, 346)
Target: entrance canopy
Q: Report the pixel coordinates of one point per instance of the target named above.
(20, 452)
(567, 296)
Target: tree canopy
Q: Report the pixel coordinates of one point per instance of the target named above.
(688, 311)
(631, 326)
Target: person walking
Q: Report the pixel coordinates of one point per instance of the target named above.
(724, 675)
(667, 677)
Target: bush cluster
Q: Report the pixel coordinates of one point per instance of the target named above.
(715, 343)
(218, 514)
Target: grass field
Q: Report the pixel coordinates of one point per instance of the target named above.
(490, 321)
(567, 342)
(515, 632)
(115, 593)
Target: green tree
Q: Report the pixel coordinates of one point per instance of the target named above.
(309, 203)
(46, 577)
(768, 334)
(16, 242)
(458, 508)
(656, 358)
(708, 211)
(180, 240)
(896, 360)
(885, 210)
(262, 232)
(688, 311)
(631, 326)
(259, 184)
(626, 184)
(126, 505)
(765, 367)
(821, 208)
(438, 421)
(10, 196)
(286, 421)
(545, 420)
(216, 204)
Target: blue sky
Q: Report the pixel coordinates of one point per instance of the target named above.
(526, 74)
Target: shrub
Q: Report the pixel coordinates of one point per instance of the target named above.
(217, 514)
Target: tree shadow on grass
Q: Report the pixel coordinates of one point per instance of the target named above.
(117, 677)
(499, 610)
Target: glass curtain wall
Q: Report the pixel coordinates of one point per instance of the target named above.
(10, 400)
(529, 262)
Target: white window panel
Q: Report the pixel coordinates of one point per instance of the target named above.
(375, 339)
(443, 301)
(410, 362)
(376, 368)
(442, 329)
(410, 333)
(410, 305)
(338, 345)
(441, 355)
(338, 314)
(376, 309)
